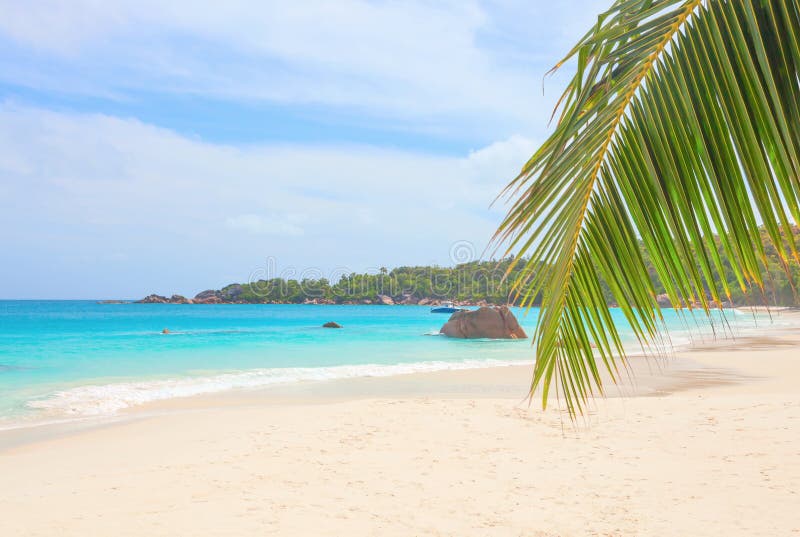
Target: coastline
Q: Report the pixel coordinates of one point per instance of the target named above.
(648, 374)
(111, 396)
(704, 444)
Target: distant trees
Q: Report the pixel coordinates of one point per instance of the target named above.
(471, 282)
(484, 281)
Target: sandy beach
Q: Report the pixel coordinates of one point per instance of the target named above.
(705, 443)
(363, 268)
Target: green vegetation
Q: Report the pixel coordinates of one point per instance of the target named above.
(468, 282)
(679, 131)
(478, 282)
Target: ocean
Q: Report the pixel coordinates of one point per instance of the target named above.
(62, 360)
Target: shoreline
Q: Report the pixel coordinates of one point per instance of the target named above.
(704, 444)
(650, 375)
(312, 381)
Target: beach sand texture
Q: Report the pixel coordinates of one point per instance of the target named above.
(707, 445)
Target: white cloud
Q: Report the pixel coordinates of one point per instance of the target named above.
(105, 206)
(77, 187)
(442, 66)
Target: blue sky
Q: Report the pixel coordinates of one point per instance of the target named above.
(177, 146)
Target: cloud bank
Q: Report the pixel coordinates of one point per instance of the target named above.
(172, 146)
(126, 207)
(462, 69)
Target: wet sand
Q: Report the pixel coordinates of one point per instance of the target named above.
(702, 443)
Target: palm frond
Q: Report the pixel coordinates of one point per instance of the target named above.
(681, 123)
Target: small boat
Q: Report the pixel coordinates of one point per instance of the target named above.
(447, 307)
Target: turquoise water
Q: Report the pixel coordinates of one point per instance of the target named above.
(68, 359)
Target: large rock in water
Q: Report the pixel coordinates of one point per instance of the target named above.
(486, 322)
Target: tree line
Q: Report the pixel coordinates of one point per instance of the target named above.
(491, 282)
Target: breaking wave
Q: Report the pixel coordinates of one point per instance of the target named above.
(108, 399)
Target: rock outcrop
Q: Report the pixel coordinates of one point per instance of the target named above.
(231, 293)
(208, 297)
(331, 324)
(486, 322)
(158, 299)
(153, 299)
(386, 300)
(664, 301)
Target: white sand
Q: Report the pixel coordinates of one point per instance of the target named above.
(711, 446)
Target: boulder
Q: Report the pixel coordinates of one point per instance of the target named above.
(331, 324)
(385, 300)
(179, 299)
(486, 322)
(424, 301)
(153, 299)
(663, 301)
(209, 296)
(231, 292)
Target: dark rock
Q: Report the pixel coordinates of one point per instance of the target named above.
(331, 324)
(231, 292)
(153, 299)
(492, 323)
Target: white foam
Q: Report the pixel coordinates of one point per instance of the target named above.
(108, 399)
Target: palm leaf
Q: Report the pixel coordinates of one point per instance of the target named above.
(679, 133)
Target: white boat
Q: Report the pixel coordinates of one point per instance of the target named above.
(447, 307)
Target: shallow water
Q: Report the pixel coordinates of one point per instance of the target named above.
(67, 359)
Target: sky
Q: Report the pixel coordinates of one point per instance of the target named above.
(176, 146)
